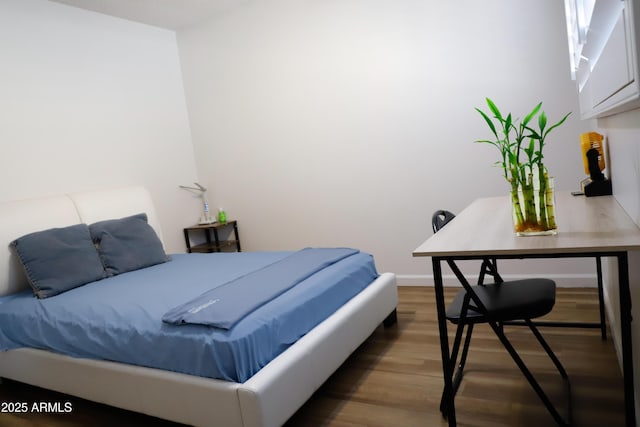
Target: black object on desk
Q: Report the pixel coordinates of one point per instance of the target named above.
(596, 184)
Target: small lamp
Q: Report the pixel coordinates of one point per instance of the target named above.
(200, 191)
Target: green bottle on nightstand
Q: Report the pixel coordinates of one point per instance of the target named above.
(222, 216)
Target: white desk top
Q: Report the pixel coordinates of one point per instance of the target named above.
(585, 224)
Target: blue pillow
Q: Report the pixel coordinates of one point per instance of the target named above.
(59, 259)
(127, 244)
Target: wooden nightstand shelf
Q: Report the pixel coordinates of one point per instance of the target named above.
(212, 238)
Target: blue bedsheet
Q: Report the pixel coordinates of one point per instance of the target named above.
(119, 318)
(225, 305)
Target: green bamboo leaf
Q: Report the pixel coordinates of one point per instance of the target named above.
(557, 124)
(530, 148)
(533, 134)
(533, 112)
(494, 143)
(489, 122)
(494, 109)
(542, 122)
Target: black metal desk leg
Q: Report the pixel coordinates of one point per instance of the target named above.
(187, 241)
(216, 239)
(447, 367)
(603, 323)
(235, 232)
(207, 234)
(625, 331)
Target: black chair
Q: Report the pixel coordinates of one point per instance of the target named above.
(497, 304)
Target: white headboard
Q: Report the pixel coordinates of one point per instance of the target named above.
(21, 217)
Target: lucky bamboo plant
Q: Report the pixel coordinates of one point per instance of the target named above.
(521, 154)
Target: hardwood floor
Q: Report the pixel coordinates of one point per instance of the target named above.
(395, 378)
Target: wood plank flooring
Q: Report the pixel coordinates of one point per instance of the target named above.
(395, 378)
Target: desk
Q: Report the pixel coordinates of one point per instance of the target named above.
(587, 227)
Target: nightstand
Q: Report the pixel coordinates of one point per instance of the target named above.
(212, 237)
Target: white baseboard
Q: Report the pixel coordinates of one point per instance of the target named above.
(562, 280)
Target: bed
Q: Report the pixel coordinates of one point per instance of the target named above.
(266, 396)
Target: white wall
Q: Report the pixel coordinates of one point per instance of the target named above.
(89, 101)
(623, 137)
(350, 122)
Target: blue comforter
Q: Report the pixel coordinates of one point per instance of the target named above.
(119, 318)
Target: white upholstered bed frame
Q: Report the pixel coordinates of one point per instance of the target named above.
(269, 398)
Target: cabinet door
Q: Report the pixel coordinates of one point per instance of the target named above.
(613, 71)
(607, 59)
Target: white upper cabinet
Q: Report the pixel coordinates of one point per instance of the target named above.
(603, 48)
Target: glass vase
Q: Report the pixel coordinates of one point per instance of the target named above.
(533, 207)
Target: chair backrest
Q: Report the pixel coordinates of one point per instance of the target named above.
(440, 219)
(489, 266)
